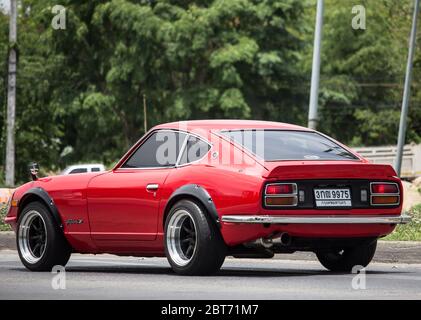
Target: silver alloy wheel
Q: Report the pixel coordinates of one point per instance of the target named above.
(181, 237)
(32, 237)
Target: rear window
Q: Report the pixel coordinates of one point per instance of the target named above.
(272, 145)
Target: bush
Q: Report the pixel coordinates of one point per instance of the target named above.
(410, 231)
(3, 226)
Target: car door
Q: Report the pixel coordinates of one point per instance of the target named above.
(123, 203)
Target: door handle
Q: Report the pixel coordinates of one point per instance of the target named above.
(152, 187)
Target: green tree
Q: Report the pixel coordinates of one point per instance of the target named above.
(198, 59)
(362, 73)
(80, 90)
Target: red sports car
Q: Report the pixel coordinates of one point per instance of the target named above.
(199, 191)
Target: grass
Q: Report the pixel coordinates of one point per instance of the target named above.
(410, 231)
(3, 226)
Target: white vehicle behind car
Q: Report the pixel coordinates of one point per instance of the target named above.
(83, 168)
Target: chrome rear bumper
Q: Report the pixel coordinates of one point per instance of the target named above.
(332, 219)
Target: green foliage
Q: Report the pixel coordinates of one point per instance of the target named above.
(3, 226)
(362, 73)
(376, 128)
(410, 231)
(80, 90)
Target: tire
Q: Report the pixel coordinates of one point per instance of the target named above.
(40, 242)
(344, 260)
(193, 243)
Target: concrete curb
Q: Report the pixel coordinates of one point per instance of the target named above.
(387, 251)
(7, 240)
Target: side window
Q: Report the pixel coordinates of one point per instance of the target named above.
(79, 170)
(95, 170)
(195, 150)
(161, 149)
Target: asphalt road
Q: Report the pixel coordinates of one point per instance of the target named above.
(110, 277)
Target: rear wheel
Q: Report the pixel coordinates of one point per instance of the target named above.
(193, 243)
(344, 260)
(41, 244)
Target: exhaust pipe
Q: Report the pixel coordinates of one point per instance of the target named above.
(285, 239)
(266, 242)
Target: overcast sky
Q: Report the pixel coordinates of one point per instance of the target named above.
(5, 4)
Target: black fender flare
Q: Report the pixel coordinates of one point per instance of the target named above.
(197, 192)
(40, 194)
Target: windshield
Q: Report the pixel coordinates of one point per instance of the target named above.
(272, 145)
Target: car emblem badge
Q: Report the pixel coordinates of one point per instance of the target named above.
(74, 221)
(311, 157)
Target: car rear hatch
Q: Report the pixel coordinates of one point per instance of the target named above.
(330, 186)
(326, 169)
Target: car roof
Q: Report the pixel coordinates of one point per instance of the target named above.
(229, 125)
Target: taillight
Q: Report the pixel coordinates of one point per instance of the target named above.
(384, 188)
(281, 195)
(384, 194)
(279, 189)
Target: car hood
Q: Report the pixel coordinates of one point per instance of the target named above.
(79, 180)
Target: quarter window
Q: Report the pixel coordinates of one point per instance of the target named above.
(195, 150)
(161, 149)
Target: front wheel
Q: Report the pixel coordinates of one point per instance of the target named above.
(193, 243)
(344, 260)
(41, 244)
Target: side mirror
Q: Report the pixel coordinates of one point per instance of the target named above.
(33, 170)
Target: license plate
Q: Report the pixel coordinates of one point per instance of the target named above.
(332, 197)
